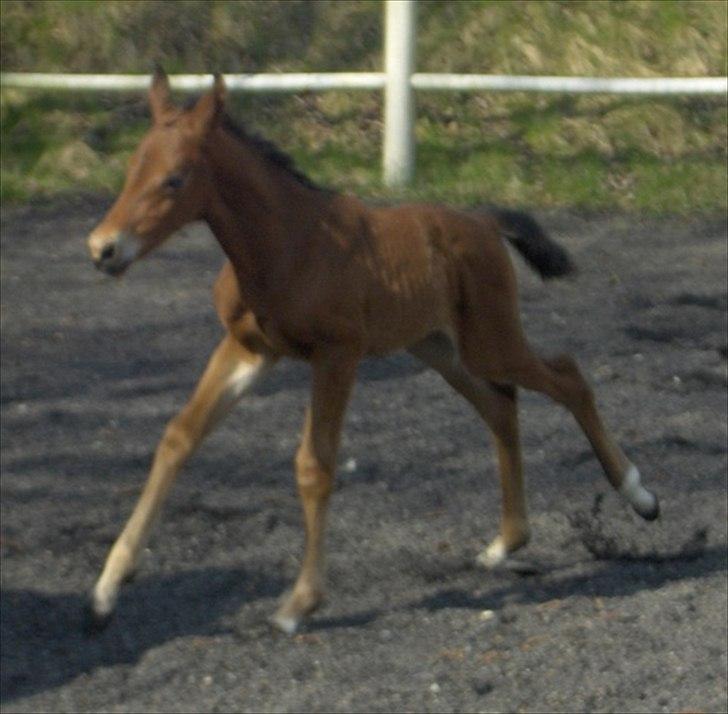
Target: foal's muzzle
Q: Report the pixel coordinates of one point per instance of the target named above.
(113, 254)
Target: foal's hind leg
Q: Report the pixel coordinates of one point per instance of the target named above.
(498, 408)
(493, 346)
(230, 372)
(561, 379)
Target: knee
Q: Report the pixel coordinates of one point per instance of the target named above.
(564, 364)
(176, 439)
(568, 370)
(313, 476)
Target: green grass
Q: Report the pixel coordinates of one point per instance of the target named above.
(54, 144)
(659, 155)
(650, 155)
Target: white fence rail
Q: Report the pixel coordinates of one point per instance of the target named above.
(197, 82)
(398, 82)
(322, 81)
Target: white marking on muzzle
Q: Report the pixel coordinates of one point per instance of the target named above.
(126, 248)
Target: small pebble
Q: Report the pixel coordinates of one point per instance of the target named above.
(434, 687)
(486, 615)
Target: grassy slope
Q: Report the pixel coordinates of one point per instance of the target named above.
(659, 155)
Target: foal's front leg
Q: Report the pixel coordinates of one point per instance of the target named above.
(333, 377)
(231, 371)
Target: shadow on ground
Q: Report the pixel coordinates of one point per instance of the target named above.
(52, 643)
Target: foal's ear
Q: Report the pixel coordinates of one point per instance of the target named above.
(209, 107)
(159, 101)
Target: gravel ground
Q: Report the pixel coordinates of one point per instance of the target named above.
(624, 616)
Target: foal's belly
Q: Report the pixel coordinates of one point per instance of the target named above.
(404, 304)
(397, 321)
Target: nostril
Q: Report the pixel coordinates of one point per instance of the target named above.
(107, 252)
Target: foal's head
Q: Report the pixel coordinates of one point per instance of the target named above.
(167, 181)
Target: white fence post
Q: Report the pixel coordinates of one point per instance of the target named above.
(399, 56)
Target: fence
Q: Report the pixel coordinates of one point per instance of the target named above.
(398, 82)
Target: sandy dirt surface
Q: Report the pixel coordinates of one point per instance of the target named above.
(624, 616)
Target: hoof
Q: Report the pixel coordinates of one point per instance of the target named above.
(497, 557)
(94, 621)
(285, 623)
(644, 502)
(493, 557)
(295, 606)
(649, 512)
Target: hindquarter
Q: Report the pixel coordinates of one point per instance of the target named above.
(406, 281)
(433, 268)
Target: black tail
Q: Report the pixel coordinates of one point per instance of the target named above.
(546, 256)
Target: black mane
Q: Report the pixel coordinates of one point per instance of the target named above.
(270, 152)
(267, 149)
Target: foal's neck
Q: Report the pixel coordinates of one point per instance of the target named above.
(262, 216)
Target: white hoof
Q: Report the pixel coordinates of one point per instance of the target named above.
(99, 609)
(643, 501)
(103, 600)
(285, 623)
(494, 555)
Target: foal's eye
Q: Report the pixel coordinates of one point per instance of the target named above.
(174, 182)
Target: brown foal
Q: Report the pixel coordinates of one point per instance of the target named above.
(321, 276)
